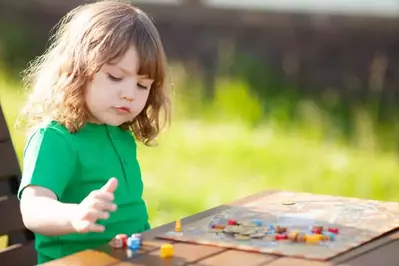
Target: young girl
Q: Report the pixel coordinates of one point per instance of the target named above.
(98, 88)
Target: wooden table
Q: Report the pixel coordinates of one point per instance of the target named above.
(383, 251)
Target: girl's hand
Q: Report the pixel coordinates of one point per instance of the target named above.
(96, 205)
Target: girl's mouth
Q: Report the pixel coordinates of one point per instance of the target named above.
(122, 109)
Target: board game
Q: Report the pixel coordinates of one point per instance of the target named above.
(303, 225)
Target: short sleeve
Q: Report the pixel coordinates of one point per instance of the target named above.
(49, 161)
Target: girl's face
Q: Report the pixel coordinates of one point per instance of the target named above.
(117, 94)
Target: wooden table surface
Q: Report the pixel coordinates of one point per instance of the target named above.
(383, 251)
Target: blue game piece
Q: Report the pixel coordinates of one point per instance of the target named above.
(257, 222)
(330, 235)
(133, 243)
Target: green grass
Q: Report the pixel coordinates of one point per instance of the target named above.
(203, 162)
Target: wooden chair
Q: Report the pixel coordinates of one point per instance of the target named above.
(20, 249)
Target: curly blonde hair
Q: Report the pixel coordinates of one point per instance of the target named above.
(88, 37)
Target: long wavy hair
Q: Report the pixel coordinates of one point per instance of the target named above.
(88, 37)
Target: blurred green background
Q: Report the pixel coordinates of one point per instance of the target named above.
(256, 131)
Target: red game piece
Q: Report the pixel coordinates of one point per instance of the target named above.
(281, 236)
(124, 239)
(316, 231)
(232, 222)
(333, 230)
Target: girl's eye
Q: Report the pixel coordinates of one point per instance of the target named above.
(113, 78)
(142, 86)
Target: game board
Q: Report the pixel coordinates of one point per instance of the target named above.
(358, 221)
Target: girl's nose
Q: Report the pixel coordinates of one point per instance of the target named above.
(127, 98)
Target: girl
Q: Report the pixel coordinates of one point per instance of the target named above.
(101, 81)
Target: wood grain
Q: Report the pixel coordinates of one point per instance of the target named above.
(237, 258)
(87, 257)
(386, 255)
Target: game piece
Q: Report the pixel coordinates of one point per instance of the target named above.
(124, 239)
(215, 230)
(333, 230)
(280, 230)
(293, 236)
(137, 236)
(319, 236)
(329, 236)
(317, 229)
(119, 241)
(232, 222)
(178, 226)
(257, 222)
(301, 237)
(133, 243)
(212, 224)
(281, 236)
(312, 239)
(167, 251)
(219, 226)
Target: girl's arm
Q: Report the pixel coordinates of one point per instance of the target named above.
(42, 213)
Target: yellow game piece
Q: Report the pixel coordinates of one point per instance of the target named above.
(178, 226)
(167, 251)
(319, 236)
(312, 239)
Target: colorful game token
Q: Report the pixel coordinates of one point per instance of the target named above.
(133, 243)
(333, 230)
(312, 239)
(316, 230)
(119, 241)
(281, 236)
(178, 226)
(301, 238)
(257, 222)
(280, 230)
(167, 251)
(232, 222)
(215, 230)
(329, 236)
(293, 236)
(219, 226)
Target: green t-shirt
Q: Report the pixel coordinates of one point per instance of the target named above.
(73, 165)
